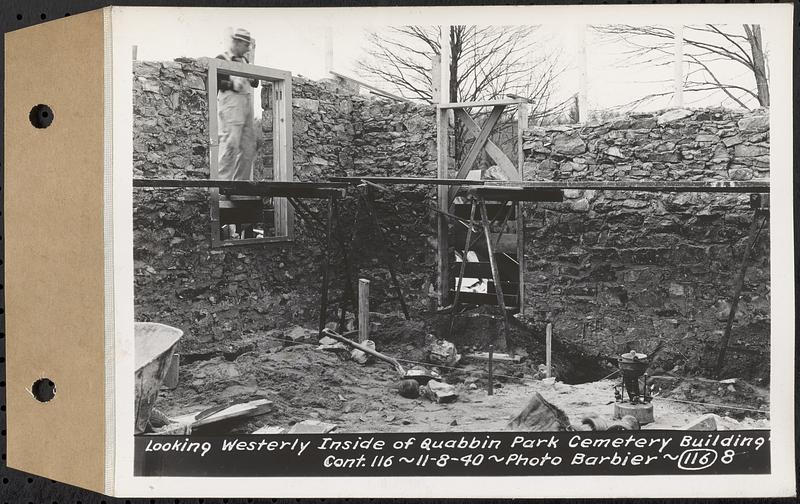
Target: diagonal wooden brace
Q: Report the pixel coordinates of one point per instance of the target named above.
(495, 152)
(476, 148)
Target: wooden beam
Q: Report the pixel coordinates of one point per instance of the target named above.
(757, 186)
(247, 70)
(363, 310)
(522, 125)
(442, 171)
(376, 90)
(495, 152)
(477, 147)
(487, 103)
(436, 78)
(213, 153)
(286, 170)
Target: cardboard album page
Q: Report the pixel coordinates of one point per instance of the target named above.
(520, 251)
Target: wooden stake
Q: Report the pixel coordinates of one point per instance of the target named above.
(363, 310)
(549, 349)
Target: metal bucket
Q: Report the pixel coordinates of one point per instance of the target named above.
(154, 346)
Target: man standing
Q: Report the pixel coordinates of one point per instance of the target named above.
(237, 136)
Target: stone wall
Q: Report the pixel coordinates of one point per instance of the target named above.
(618, 269)
(214, 293)
(611, 269)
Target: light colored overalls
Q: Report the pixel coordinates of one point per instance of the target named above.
(237, 135)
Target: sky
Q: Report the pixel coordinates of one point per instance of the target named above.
(298, 44)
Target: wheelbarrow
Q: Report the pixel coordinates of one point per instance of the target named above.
(154, 346)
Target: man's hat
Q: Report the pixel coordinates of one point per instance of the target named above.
(242, 34)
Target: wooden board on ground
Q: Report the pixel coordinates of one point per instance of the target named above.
(270, 429)
(311, 427)
(252, 408)
(495, 356)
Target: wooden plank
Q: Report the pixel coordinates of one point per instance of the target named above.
(242, 410)
(758, 186)
(519, 193)
(497, 211)
(443, 202)
(477, 146)
(246, 215)
(506, 246)
(507, 286)
(376, 90)
(495, 152)
(507, 269)
(246, 70)
(285, 219)
(474, 104)
(363, 310)
(311, 427)
(480, 298)
(503, 357)
(269, 429)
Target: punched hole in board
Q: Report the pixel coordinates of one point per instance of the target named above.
(43, 389)
(41, 116)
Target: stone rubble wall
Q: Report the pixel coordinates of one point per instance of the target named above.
(611, 269)
(618, 269)
(216, 294)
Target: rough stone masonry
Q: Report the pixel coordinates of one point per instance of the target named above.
(610, 269)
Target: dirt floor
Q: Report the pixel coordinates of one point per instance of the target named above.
(305, 383)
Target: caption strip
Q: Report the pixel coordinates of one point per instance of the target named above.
(456, 454)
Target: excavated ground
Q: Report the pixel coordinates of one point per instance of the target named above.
(305, 383)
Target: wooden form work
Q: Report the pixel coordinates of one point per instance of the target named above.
(448, 204)
(281, 81)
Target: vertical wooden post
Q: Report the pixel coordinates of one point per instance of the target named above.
(436, 78)
(522, 125)
(549, 348)
(323, 309)
(583, 77)
(442, 149)
(678, 67)
(363, 310)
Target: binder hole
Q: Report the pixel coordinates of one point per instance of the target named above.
(41, 116)
(43, 389)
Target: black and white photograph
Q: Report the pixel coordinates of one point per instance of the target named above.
(516, 227)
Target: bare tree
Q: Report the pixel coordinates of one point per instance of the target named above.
(710, 51)
(486, 63)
